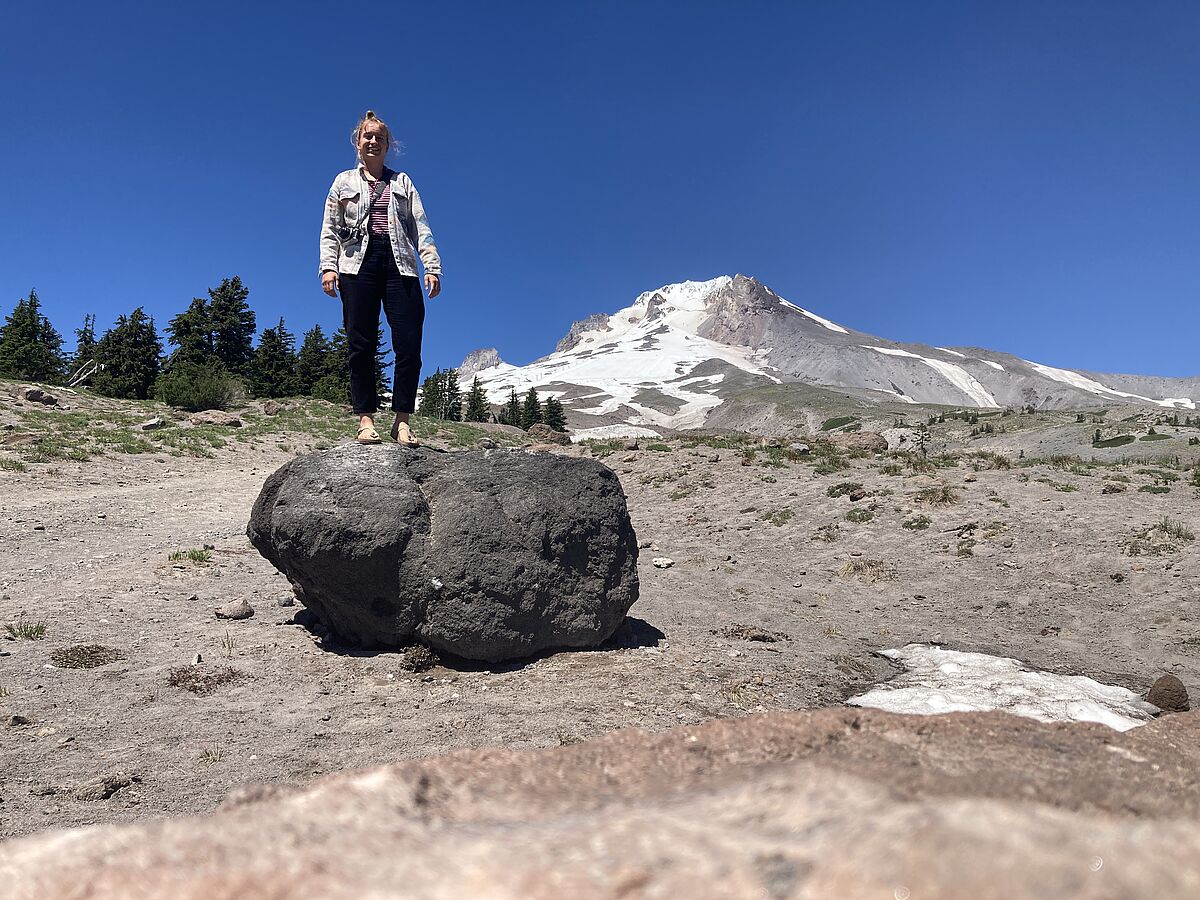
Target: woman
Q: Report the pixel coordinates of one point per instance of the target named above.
(374, 228)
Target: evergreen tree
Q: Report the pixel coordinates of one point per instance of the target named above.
(382, 352)
(555, 416)
(129, 355)
(432, 394)
(191, 333)
(451, 406)
(273, 369)
(478, 409)
(334, 384)
(511, 412)
(232, 325)
(30, 348)
(531, 410)
(85, 341)
(310, 362)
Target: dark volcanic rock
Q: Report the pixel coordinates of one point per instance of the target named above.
(484, 555)
(1169, 694)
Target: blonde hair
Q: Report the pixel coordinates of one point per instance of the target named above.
(369, 118)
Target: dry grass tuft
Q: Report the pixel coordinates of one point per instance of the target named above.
(201, 681)
(85, 656)
(869, 570)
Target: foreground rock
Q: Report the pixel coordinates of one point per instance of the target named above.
(832, 803)
(485, 555)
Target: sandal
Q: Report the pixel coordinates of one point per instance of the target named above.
(402, 435)
(368, 435)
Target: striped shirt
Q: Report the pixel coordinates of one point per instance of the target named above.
(379, 208)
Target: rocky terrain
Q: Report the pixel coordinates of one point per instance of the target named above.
(136, 684)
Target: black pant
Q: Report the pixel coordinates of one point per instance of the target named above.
(378, 280)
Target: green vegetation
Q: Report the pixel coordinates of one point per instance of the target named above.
(21, 630)
(30, 348)
(828, 533)
(779, 516)
(1154, 436)
(196, 555)
(892, 469)
(12, 465)
(1174, 529)
(1154, 489)
(859, 515)
(938, 495)
(843, 488)
(916, 523)
(1119, 441)
(837, 422)
(660, 448)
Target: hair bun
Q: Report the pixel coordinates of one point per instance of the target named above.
(369, 114)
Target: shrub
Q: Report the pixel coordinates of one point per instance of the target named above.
(195, 555)
(85, 656)
(196, 386)
(21, 630)
(859, 515)
(843, 488)
(938, 495)
(917, 523)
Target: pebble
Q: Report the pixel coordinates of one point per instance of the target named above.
(237, 609)
(663, 562)
(17, 720)
(197, 659)
(286, 600)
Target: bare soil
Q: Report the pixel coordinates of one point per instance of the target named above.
(759, 610)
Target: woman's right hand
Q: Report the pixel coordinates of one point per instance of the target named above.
(329, 283)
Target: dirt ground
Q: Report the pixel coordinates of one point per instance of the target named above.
(759, 611)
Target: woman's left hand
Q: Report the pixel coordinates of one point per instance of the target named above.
(433, 285)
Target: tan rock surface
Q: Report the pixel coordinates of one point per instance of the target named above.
(831, 803)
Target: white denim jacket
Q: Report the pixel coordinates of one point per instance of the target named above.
(347, 221)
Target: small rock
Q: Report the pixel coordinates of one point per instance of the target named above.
(152, 424)
(216, 417)
(197, 659)
(642, 545)
(1118, 577)
(800, 448)
(37, 395)
(237, 609)
(857, 495)
(716, 457)
(46, 732)
(285, 600)
(104, 786)
(271, 408)
(1169, 694)
(631, 445)
(1113, 489)
(1007, 542)
(970, 477)
(663, 562)
(17, 720)
(544, 434)
(486, 443)
(746, 461)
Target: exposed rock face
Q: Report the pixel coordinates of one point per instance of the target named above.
(487, 555)
(594, 322)
(830, 803)
(477, 361)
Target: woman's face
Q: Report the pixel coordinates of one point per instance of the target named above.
(372, 142)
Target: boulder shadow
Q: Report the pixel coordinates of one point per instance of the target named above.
(632, 634)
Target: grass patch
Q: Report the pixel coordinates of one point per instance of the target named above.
(201, 682)
(12, 465)
(21, 630)
(892, 469)
(1154, 489)
(916, 523)
(659, 448)
(986, 459)
(842, 489)
(828, 533)
(869, 570)
(1175, 529)
(195, 554)
(684, 490)
(837, 422)
(1155, 437)
(859, 515)
(85, 656)
(1119, 441)
(778, 517)
(938, 495)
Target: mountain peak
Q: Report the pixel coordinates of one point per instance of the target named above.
(478, 360)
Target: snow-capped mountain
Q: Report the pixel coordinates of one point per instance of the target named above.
(678, 353)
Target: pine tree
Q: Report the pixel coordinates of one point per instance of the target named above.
(382, 352)
(451, 405)
(273, 369)
(334, 384)
(432, 393)
(555, 416)
(129, 355)
(478, 409)
(30, 348)
(232, 324)
(85, 341)
(310, 362)
(191, 333)
(531, 410)
(511, 414)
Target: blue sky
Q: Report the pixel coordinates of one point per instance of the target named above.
(1015, 175)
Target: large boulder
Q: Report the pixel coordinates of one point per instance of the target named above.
(487, 555)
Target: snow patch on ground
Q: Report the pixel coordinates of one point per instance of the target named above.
(994, 365)
(941, 681)
(832, 326)
(952, 352)
(604, 432)
(1066, 376)
(956, 375)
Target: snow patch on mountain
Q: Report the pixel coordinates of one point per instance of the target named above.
(956, 375)
(951, 352)
(832, 326)
(640, 354)
(1066, 376)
